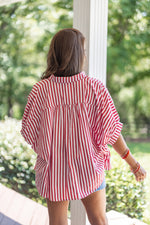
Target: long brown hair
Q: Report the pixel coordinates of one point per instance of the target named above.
(66, 53)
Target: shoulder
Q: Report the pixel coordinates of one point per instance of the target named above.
(96, 84)
(38, 90)
(40, 85)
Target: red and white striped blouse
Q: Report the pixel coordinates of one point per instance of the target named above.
(68, 121)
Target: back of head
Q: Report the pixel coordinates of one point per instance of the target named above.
(66, 53)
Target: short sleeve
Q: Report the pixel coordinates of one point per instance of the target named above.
(31, 117)
(110, 119)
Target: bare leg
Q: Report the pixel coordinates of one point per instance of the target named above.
(95, 205)
(57, 212)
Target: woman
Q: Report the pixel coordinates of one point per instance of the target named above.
(69, 120)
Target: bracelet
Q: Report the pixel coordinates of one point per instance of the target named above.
(137, 169)
(126, 154)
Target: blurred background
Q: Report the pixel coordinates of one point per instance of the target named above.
(26, 29)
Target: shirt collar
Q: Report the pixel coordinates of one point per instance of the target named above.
(68, 79)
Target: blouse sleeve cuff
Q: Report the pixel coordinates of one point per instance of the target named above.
(116, 133)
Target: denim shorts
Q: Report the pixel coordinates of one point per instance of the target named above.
(103, 185)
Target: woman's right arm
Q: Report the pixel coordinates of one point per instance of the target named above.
(121, 147)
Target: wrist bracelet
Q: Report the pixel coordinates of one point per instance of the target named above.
(126, 154)
(137, 169)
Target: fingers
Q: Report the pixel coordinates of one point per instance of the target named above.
(140, 175)
(140, 179)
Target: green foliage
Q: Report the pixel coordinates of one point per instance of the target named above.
(124, 194)
(17, 161)
(128, 59)
(65, 9)
(26, 29)
(141, 152)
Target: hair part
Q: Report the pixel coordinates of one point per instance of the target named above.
(66, 53)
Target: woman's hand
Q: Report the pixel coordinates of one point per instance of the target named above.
(140, 175)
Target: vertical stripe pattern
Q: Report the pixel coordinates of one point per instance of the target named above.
(68, 121)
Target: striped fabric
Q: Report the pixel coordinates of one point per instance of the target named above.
(68, 121)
